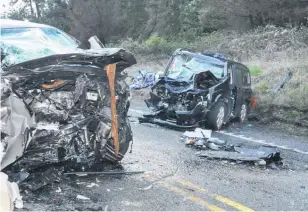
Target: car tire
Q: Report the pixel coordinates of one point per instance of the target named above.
(242, 114)
(216, 116)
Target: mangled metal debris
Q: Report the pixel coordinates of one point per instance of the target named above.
(81, 197)
(64, 111)
(106, 173)
(246, 154)
(215, 148)
(200, 89)
(143, 79)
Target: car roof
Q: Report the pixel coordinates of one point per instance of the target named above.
(207, 57)
(223, 60)
(9, 23)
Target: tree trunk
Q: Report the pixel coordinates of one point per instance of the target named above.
(31, 8)
(38, 10)
(251, 22)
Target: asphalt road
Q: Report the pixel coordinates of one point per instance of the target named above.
(176, 179)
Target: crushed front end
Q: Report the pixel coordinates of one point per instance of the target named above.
(187, 91)
(66, 97)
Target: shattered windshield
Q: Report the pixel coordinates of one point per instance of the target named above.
(23, 44)
(185, 66)
(47, 34)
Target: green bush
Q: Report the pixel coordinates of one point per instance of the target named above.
(155, 42)
(156, 45)
(255, 70)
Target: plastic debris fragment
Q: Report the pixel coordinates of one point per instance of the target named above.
(82, 197)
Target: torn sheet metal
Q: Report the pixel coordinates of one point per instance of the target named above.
(219, 149)
(246, 154)
(16, 123)
(166, 123)
(58, 115)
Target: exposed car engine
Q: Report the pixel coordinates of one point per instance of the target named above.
(69, 105)
(174, 96)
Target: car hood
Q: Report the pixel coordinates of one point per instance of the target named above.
(90, 61)
(181, 85)
(19, 53)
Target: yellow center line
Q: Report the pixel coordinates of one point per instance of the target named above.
(185, 194)
(222, 199)
(236, 205)
(190, 185)
(192, 197)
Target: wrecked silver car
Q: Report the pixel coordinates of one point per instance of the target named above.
(57, 108)
(200, 89)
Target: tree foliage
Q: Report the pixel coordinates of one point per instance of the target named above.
(140, 19)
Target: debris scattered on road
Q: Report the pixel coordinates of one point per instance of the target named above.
(58, 190)
(82, 197)
(262, 155)
(261, 163)
(147, 188)
(92, 185)
(82, 175)
(105, 173)
(218, 149)
(198, 133)
(143, 79)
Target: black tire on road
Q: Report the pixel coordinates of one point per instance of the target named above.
(216, 117)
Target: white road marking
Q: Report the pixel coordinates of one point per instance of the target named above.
(262, 142)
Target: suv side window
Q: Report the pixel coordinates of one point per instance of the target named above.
(237, 74)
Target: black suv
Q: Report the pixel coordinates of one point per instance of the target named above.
(200, 88)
